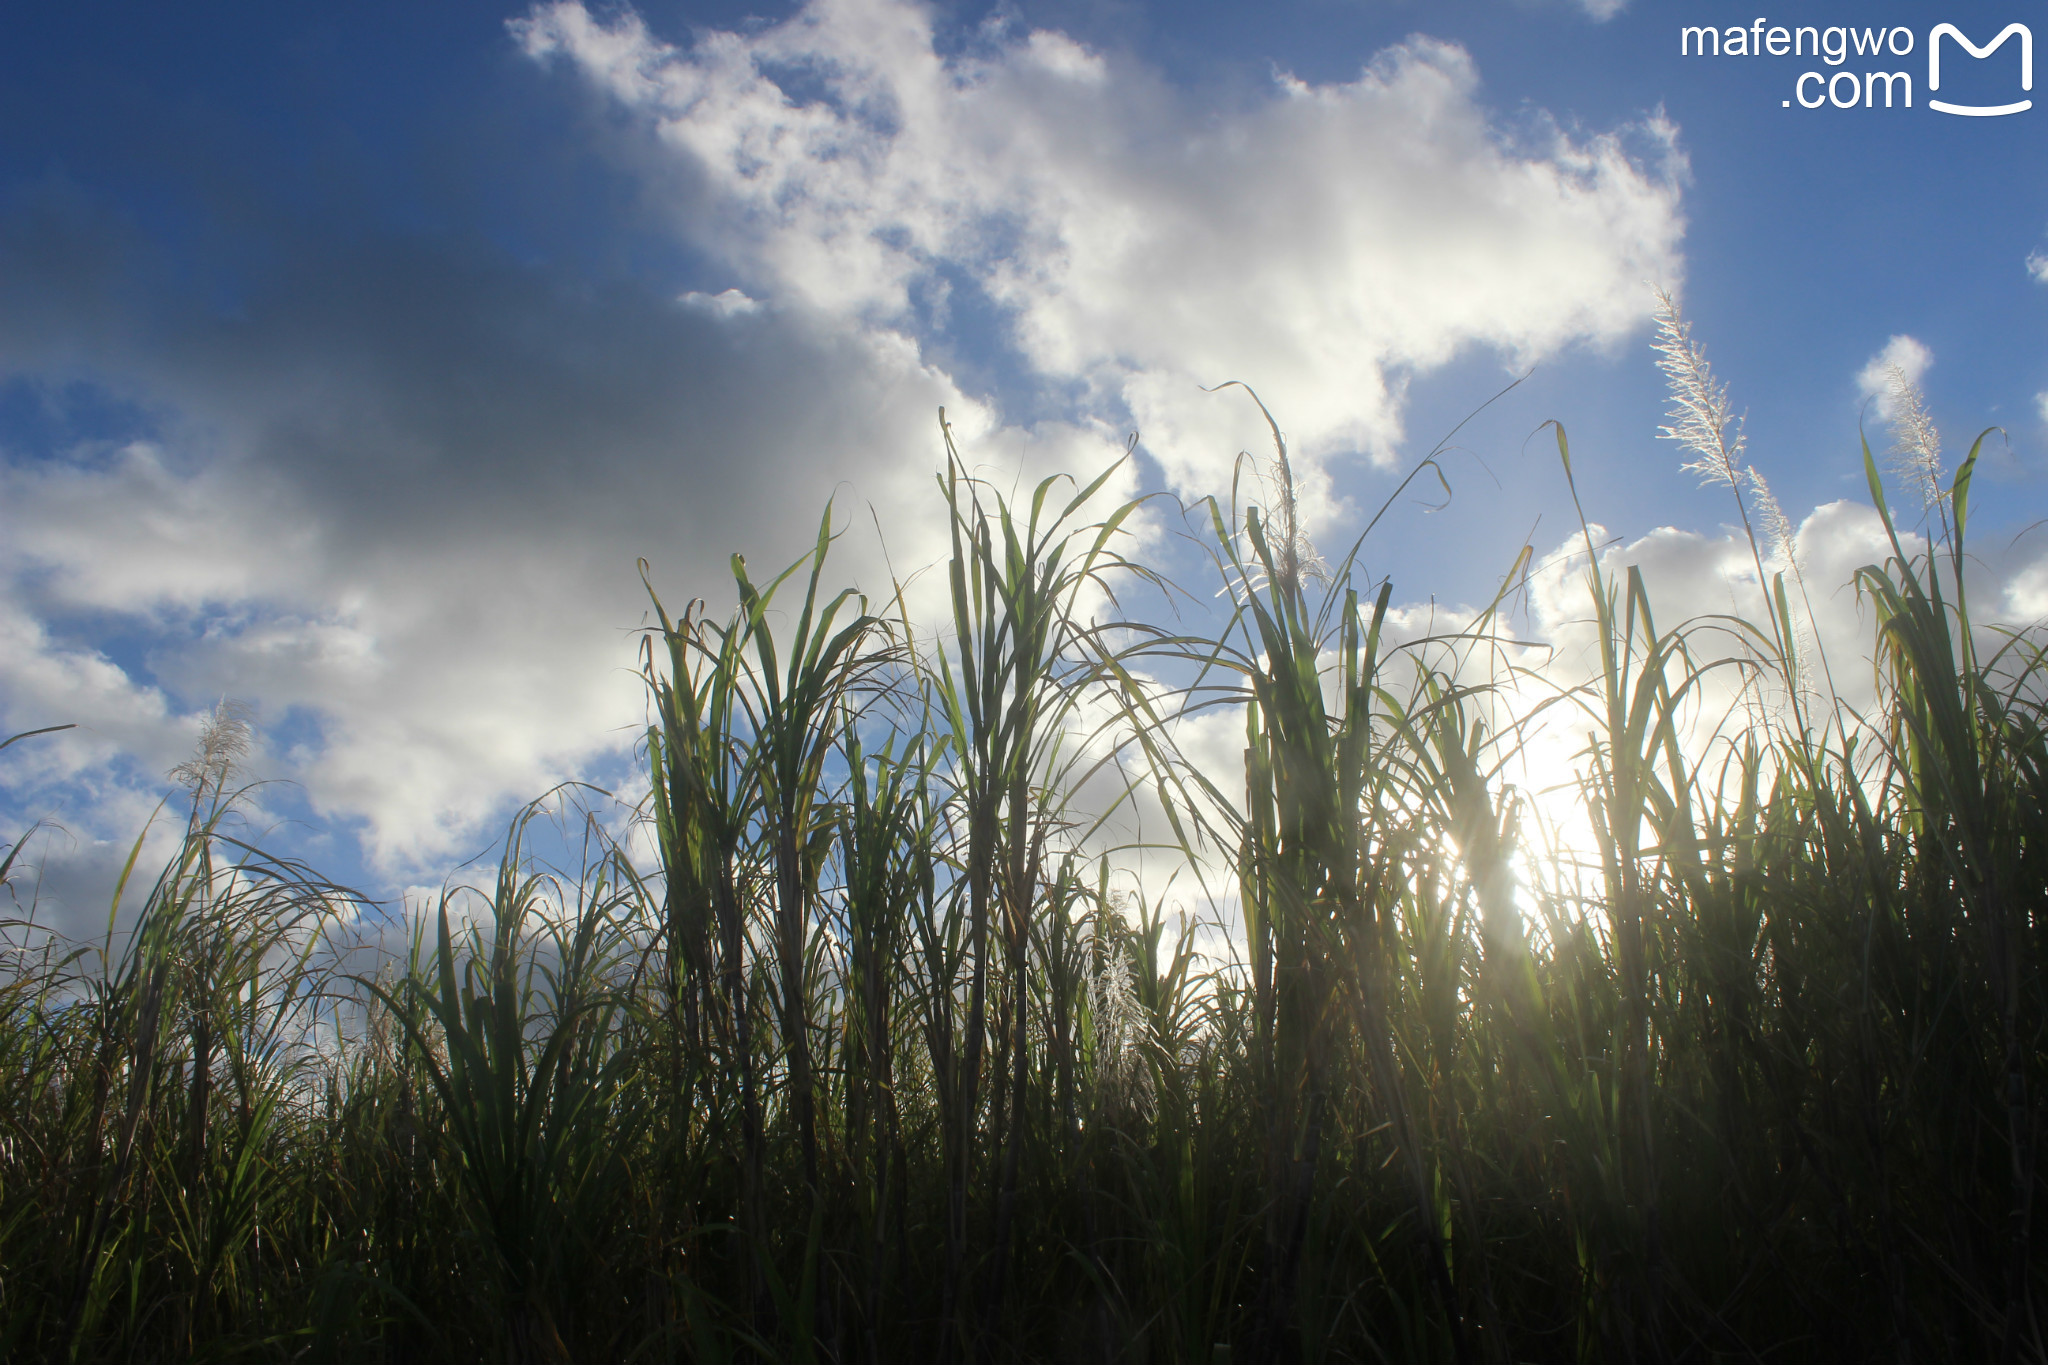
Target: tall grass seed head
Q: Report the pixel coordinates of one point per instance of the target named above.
(1916, 445)
(1701, 420)
(223, 743)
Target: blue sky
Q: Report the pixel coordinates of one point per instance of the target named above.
(350, 355)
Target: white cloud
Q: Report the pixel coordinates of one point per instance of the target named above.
(2037, 266)
(2026, 594)
(394, 497)
(1320, 244)
(724, 305)
(1909, 356)
(447, 594)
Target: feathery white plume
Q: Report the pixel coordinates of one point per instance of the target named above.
(1701, 421)
(1123, 1080)
(223, 743)
(1916, 446)
(1777, 526)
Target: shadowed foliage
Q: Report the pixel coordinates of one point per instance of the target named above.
(883, 1050)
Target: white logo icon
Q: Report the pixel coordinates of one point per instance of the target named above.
(1980, 110)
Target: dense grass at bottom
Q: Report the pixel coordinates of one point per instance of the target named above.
(870, 1061)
